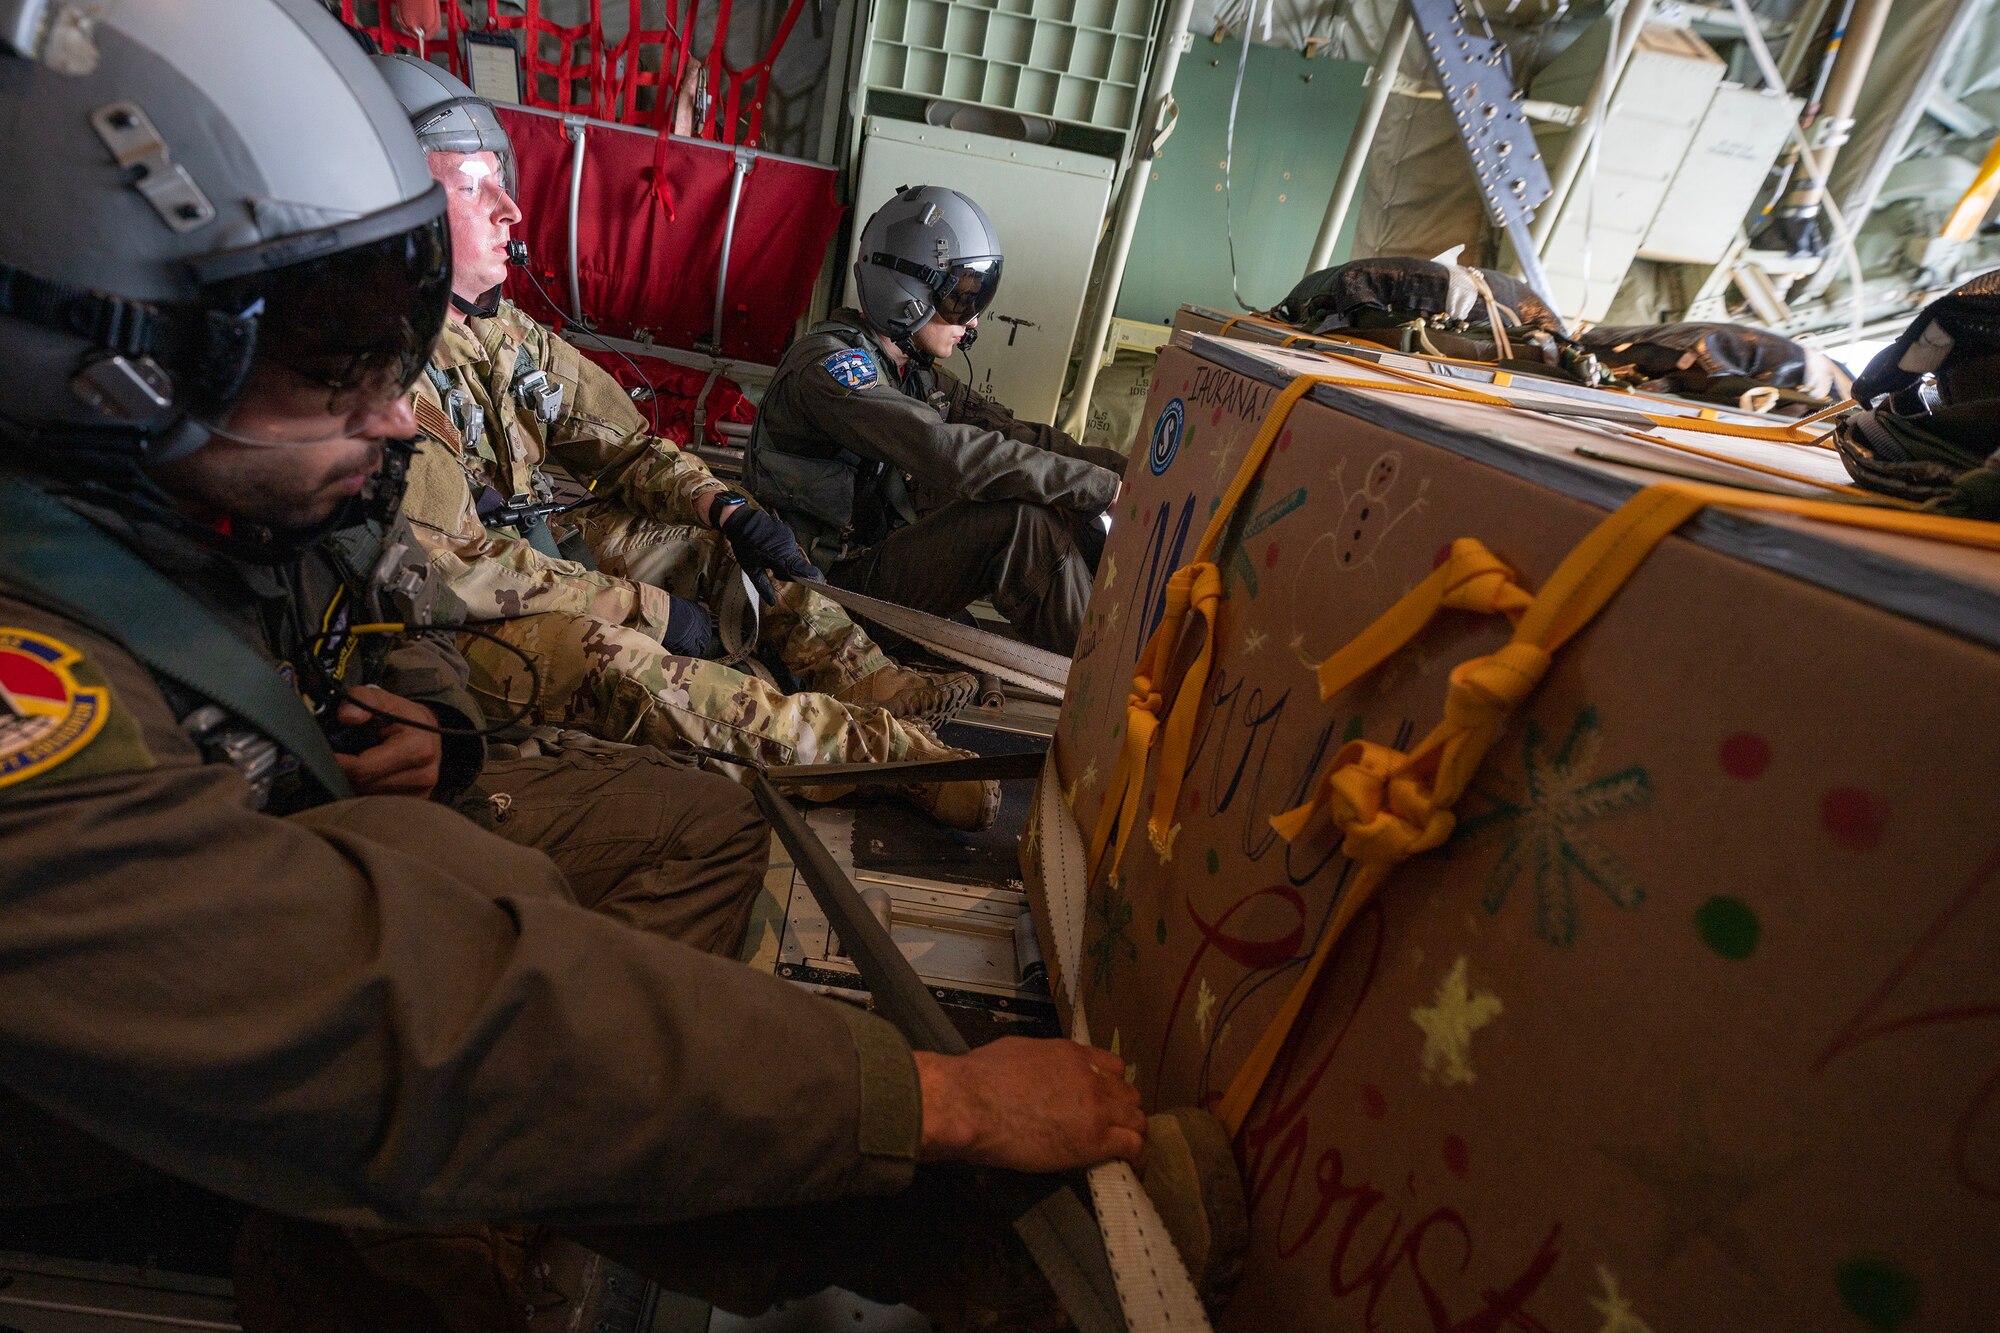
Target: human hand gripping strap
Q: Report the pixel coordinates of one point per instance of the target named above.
(1154, 1289)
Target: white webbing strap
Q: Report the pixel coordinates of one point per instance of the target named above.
(1034, 669)
(739, 624)
(1153, 1284)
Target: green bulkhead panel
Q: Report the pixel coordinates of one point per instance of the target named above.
(1292, 128)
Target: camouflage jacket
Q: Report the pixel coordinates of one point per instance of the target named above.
(482, 381)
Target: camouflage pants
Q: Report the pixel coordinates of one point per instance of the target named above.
(619, 684)
(812, 636)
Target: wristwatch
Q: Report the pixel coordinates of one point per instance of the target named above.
(728, 500)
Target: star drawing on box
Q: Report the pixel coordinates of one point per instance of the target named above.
(1700, 1185)
(1544, 817)
(1616, 1309)
(1114, 910)
(1456, 1012)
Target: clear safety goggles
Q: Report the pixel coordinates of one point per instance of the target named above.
(350, 311)
(467, 125)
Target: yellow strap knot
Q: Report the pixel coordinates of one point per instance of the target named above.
(1390, 806)
(1194, 595)
(1475, 579)
(1384, 811)
(1471, 578)
(1484, 690)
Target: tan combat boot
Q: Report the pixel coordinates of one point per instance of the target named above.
(970, 805)
(1192, 1179)
(914, 695)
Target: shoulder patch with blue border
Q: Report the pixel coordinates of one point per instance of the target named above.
(46, 715)
(851, 368)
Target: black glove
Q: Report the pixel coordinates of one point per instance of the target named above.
(761, 541)
(690, 630)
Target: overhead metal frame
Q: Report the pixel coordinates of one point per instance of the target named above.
(1478, 81)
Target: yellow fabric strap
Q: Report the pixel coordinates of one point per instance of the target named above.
(1388, 805)
(1840, 488)
(1424, 386)
(1472, 578)
(1193, 593)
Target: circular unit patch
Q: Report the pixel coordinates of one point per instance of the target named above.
(1167, 432)
(45, 716)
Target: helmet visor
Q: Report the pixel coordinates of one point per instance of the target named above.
(967, 288)
(466, 125)
(356, 323)
(486, 171)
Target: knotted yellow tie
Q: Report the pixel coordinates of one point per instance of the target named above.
(1389, 805)
(1194, 592)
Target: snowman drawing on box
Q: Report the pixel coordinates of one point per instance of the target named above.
(1367, 516)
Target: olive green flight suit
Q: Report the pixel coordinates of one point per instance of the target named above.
(916, 489)
(375, 1012)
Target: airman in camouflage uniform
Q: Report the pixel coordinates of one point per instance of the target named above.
(646, 530)
(602, 651)
(593, 637)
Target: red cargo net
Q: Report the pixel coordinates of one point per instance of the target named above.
(736, 110)
(571, 67)
(651, 215)
(650, 58)
(562, 67)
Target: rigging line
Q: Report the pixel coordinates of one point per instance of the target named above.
(1229, 151)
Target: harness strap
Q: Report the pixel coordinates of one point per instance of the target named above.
(1153, 1286)
(46, 544)
(1056, 1230)
(1035, 669)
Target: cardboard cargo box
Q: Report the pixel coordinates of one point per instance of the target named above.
(1693, 1021)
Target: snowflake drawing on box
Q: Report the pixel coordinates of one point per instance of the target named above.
(1113, 911)
(1546, 818)
(1251, 521)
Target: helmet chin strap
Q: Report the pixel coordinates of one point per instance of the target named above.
(176, 441)
(485, 307)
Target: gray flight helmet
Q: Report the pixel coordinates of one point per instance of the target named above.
(195, 188)
(928, 251)
(448, 117)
